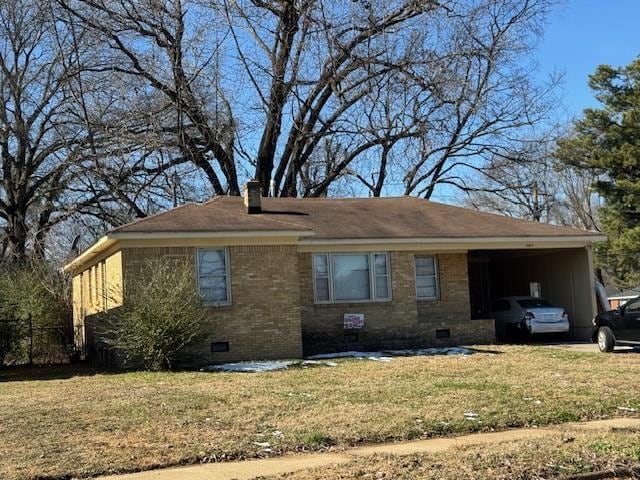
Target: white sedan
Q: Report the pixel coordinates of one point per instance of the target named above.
(529, 314)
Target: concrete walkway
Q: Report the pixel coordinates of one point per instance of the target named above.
(248, 469)
(587, 347)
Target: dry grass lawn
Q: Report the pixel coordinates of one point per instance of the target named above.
(84, 423)
(559, 456)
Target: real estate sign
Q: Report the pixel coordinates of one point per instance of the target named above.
(353, 320)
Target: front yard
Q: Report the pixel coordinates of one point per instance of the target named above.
(82, 423)
(566, 456)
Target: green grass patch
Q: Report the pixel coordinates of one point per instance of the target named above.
(317, 439)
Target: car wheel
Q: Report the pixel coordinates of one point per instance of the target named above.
(606, 340)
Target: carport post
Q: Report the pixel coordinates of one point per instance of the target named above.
(594, 300)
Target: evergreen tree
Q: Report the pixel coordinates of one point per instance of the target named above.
(607, 141)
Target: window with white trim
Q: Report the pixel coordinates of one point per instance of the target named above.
(351, 277)
(381, 276)
(213, 276)
(426, 277)
(321, 268)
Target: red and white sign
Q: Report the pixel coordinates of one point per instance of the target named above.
(353, 320)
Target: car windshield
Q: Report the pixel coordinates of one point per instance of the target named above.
(534, 303)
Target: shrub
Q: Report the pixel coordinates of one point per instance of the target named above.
(12, 335)
(37, 290)
(161, 318)
(33, 292)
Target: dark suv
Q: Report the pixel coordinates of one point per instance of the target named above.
(618, 327)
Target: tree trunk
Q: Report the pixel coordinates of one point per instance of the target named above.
(287, 29)
(17, 236)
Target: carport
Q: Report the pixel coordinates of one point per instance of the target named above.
(563, 276)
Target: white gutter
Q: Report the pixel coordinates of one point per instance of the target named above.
(103, 244)
(581, 239)
(234, 234)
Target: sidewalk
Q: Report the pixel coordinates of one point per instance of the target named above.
(248, 469)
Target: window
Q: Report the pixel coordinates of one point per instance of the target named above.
(426, 278)
(94, 285)
(101, 284)
(632, 306)
(381, 272)
(105, 287)
(534, 289)
(534, 303)
(351, 277)
(321, 267)
(213, 276)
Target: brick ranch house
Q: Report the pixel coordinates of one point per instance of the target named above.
(287, 277)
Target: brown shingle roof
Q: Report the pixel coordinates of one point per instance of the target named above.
(345, 218)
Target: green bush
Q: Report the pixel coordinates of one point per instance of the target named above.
(37, 290)
(161, 318)
(33, 293)
(12, 335)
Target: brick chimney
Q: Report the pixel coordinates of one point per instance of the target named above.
(252, 197)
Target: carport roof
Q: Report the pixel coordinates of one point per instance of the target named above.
(344, 218)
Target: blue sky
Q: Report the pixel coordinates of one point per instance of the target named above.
(579, 36)
(582, 34)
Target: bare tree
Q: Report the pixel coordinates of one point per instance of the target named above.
(524, 188)
(66, 153)
(366, 148)
(149, 42)
(478, 97)
(41, 135)
(536, 186)
(580, 201)
(114, 110)
(253, 88)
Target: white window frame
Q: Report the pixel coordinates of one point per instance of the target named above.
(227, 272)
(372, 272)
(372, 277)
(436, 275)
(315, 277)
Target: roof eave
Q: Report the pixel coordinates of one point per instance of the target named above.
(110, 239)
(102, 244)
(217, 234)
(306, 238)
(588, 239)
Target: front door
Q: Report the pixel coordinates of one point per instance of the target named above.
(630, 321)
(479, 289)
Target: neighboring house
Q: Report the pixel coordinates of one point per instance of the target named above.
(618, 297)
(286, 277)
